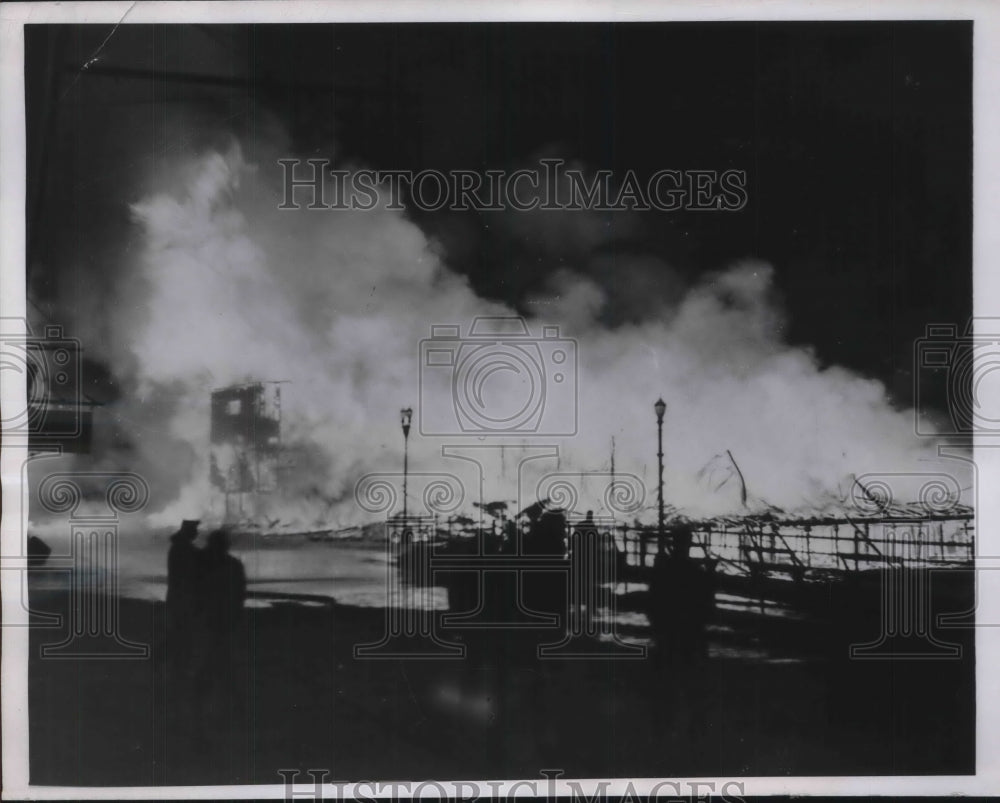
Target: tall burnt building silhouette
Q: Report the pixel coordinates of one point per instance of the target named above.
(245, 447)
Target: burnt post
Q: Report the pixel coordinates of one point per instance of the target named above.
(405, 417)
(660, 407)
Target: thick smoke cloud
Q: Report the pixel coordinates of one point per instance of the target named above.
(223, 287)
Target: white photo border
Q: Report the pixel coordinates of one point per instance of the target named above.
(986, 302)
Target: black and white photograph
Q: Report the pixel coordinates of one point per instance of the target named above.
(413, 405)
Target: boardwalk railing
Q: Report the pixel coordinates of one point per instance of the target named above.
(799, 547)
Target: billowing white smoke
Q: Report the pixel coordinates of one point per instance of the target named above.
(230, 288)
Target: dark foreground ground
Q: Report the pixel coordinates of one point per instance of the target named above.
(500, 713)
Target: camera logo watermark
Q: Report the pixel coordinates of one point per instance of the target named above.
(498, 379)
(54, 413)
(962, 371)
(549, 185)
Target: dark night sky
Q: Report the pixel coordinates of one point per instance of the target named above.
(856, 138)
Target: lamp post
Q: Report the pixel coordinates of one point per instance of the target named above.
(660, 407)
(405, 417)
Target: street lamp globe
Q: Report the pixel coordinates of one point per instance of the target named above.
(661, 408)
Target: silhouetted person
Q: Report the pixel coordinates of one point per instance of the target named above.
(183, 569)
(38, 552)
(222, 660)
(409, 558)
(682, 601)
(223, 587)
(682, 597)
(546, 591)
(590, 563)
(178, 660)
(463, 587)
(547, 535)
(508, 541)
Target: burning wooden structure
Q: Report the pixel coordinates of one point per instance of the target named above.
(245, 454)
